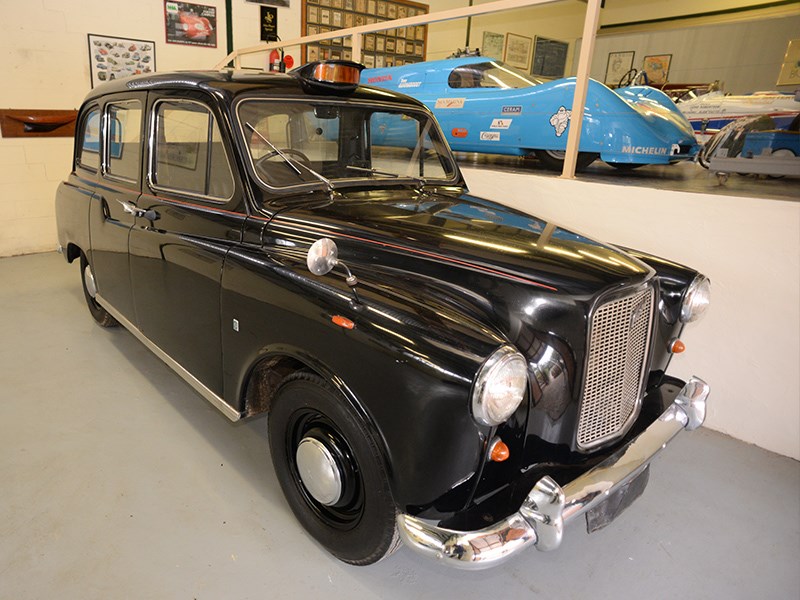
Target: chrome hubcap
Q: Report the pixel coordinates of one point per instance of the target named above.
(88, 277)
(319, 471)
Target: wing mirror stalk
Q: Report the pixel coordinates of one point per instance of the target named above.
(323, 257)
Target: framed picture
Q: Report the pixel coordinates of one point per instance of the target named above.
(408, 42)
(790, 69)
(281, 3)
(517, 52)
(190, 24)
(549, 57)
(618, 64)
(114, 58)
(656, 67)
(493, 44)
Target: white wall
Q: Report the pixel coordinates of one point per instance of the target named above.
(748, 346)
(44, 53)
(744, 56)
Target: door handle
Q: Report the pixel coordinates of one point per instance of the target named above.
(131, 208)
(150, 215)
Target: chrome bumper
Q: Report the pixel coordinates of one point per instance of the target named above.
(541, 518)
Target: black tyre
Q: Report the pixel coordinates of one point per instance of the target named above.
(626, 166)
(331, 471)
(100, 314)
(554, 159)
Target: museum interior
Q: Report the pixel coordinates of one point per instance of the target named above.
(123, 478)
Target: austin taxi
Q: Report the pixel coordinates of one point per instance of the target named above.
(437, 369)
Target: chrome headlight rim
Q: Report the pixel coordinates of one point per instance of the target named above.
(696, 299)
(501, 359)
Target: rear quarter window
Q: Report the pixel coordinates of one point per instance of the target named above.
(89, 138)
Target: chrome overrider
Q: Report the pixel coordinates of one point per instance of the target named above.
(541, 518)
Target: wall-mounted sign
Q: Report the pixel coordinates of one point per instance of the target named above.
(269, 24)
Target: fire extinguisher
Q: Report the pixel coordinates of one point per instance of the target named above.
(275, 61)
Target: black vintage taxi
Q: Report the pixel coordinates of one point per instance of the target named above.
(436, 368)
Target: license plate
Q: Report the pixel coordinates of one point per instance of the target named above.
(601, 515)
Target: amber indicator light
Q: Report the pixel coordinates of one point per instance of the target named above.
(677, 346)
(343, 321)
(499, 451)
(333, 73)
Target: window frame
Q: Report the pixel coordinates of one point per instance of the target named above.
(106, 140)
(151, 151)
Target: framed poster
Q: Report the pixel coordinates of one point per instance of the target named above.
(656, 67)
(281, 3)
(493, 44)
(114, 58)
(618, 64)
(191, 24)
(549, 57)
(517, 52)
(790, 69)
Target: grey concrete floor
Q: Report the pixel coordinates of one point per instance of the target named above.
(118, 481)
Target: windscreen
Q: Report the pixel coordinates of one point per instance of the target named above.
(490, 74)
(298, 143)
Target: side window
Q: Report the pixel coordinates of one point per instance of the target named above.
(189, 155)
(89, 152)
(124, 141)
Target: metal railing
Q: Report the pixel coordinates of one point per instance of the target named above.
(591, 23)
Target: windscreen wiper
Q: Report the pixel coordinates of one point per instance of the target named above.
(292, 162)
(419, 180)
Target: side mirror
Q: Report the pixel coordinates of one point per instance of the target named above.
(322, 256)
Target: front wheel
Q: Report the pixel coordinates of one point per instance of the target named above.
(554, 159)
(331, 471)
(100, 314)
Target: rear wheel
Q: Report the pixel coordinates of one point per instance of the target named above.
(100, 314)
(331, 471)
(554, 159)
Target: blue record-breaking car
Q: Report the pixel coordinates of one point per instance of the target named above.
(484, 105)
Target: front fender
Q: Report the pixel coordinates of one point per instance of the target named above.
(404, 372)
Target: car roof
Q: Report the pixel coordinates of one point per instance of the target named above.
(231, 82)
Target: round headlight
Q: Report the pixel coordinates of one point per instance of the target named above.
(696, 299)
(499, 386)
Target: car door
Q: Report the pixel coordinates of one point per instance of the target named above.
(111, 214)
(186, 222)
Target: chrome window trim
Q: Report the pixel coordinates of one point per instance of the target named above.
(104, 159)
(151, 158)
(601, 301)
(315, 185)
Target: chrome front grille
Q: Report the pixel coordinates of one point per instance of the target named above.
(619, 337)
